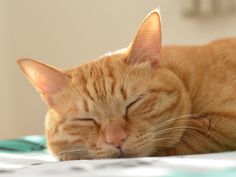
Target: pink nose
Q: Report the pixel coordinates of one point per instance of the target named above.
(115, 135)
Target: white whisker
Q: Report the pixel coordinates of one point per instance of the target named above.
(136, 62)
(170, 120)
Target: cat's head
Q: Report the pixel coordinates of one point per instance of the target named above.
(122, 105)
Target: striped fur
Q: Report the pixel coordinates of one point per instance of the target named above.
(177, 100)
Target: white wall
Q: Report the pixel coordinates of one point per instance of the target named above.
(65, 33)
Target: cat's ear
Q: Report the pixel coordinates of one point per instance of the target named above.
(147, 43)
(49, 81)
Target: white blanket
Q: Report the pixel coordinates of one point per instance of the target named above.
(43, 165)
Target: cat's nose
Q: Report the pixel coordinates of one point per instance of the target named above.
(117, 139)
(115, 135)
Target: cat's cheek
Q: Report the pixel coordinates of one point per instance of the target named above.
(138, 144)
(72, 137)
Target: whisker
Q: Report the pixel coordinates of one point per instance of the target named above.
(136, 62)
(165, 131)
(75, 154)
(162, 139)
(73, 150)
(172, 129)
(168, 121)
(157, 133)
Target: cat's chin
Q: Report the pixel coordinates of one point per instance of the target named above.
(69, 157)
(108, 155)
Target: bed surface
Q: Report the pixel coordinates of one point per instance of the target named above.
(39, 163)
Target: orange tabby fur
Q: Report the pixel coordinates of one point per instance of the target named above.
(145, 100)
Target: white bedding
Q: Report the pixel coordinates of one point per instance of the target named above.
(42, 164)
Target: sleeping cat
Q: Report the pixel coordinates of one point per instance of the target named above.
(145, 100)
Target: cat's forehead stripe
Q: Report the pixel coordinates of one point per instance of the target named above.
(84, 84)
(111, 75)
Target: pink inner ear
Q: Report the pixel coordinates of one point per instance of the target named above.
(49, 81)
(147, 44)
(46, 79)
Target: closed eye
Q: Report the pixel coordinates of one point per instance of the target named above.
(130, 105)
(84, 120)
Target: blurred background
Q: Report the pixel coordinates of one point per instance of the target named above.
(65, 33)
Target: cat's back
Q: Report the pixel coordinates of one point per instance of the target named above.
(226, 41)
(208, 72)
(219, 55)
(190, 52)
(223, 46)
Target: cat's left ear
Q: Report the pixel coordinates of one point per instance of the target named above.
(147, 43)
(50, 82)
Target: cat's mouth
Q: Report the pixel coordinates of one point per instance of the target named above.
(124, 154)
(121, 153)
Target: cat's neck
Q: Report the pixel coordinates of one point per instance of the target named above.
(190, 65)
(197, 65)
(182, 61)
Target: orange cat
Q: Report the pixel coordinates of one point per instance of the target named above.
(145, 100)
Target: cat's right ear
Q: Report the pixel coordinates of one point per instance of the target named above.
(146, 46)
(49, 81)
